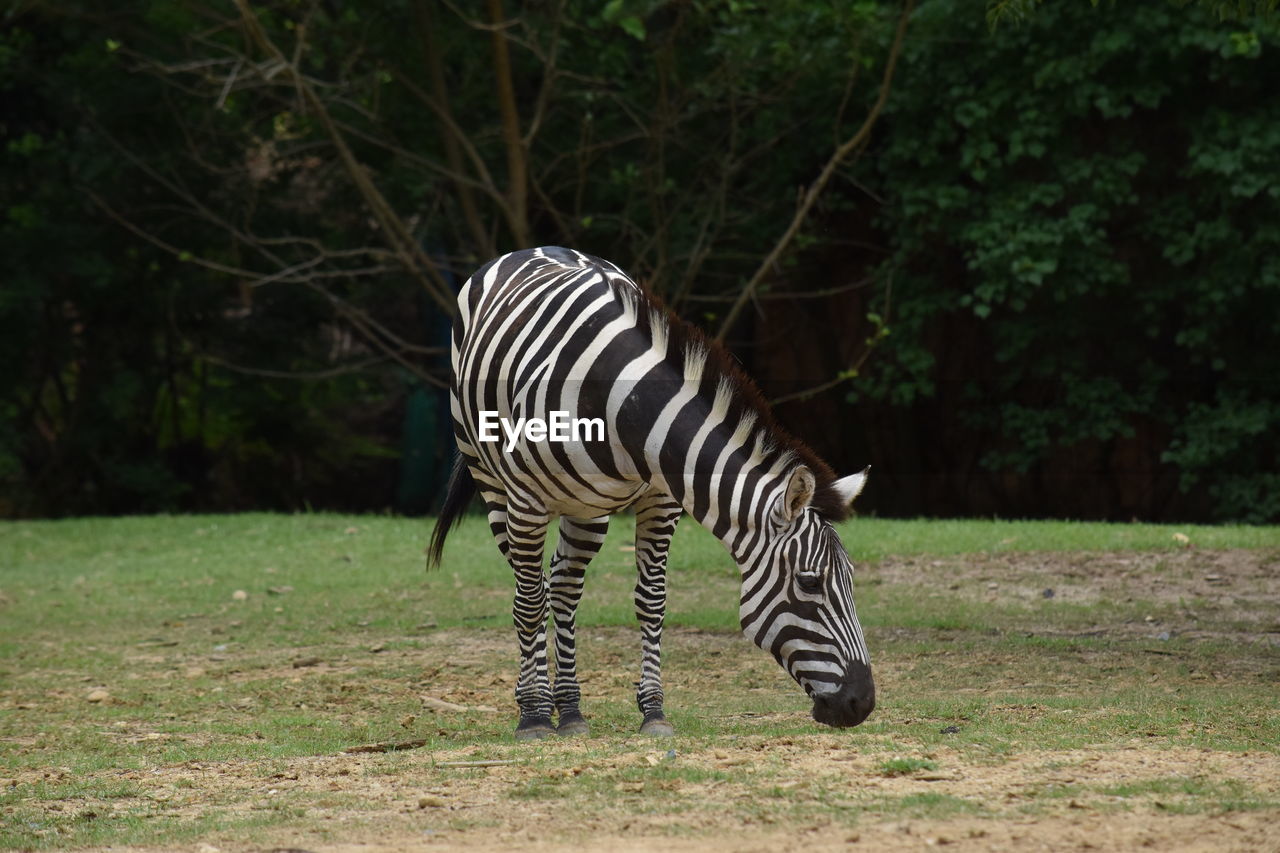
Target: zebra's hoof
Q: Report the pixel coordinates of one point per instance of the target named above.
(534, 728)
(657, 727)
(572, 724)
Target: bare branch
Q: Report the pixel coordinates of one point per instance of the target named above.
(226, 87)
(851, 372)
(252, 278)
(501, 25)
(367, 327)
(305, 375)
(452, 136)
(414, 157)
(168, 247)
(548, 76)
(415, 260)
(190, 198)
(517, 168)
(789, 295)
(815, 189)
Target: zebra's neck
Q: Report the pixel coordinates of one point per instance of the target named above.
(716, 459)
(731, 489)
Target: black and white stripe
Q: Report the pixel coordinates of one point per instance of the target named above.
(552, 329)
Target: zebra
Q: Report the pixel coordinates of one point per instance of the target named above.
(553, 329)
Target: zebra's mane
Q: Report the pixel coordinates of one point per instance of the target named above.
(715, 365)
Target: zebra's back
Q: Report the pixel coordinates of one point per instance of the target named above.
(545, 333)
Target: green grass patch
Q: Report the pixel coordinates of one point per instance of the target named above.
(905, 766)
(874, 538)
(142, 658)
(931, 806)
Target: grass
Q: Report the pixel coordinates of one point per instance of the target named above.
(239, 655)
(905, 766)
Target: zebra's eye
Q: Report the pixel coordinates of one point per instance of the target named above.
(809, 581)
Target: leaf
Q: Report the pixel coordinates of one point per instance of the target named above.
(633, 27)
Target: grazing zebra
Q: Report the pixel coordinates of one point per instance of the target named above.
(549, 330)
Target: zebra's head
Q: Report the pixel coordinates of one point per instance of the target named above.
(797, 601)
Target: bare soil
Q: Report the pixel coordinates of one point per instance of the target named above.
(418, 807)
(1193, 592)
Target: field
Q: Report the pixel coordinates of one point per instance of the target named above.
(202, 682)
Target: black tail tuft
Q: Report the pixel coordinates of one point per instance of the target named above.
(456, 500)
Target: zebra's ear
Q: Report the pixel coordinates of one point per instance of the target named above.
(799, 493)
(848, 488)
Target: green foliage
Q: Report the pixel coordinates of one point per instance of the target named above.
(1079, 210)
(119, 397)
(1000, 11)
(1092, 194)
(1219, 444)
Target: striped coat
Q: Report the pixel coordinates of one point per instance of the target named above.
(551, 330)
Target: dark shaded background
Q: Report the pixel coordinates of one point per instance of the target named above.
(1045, 281)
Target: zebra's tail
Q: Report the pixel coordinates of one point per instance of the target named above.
(456, 499)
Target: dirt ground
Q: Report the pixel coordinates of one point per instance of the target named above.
(1235, 586)
(414, 809)
(590, 794)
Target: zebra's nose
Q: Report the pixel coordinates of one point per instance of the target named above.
(849, 704)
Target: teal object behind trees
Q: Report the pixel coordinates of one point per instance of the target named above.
(421, 474)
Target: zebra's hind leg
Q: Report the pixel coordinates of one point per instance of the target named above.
(580, 540)
(520, 533)
(656, 518)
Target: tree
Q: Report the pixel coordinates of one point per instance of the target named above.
(1083, 220)
(306, 186)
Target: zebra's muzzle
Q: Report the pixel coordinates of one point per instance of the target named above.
(850, 703)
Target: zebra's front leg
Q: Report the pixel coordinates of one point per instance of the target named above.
(521, 538)
(656, 519)
(580, 540)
